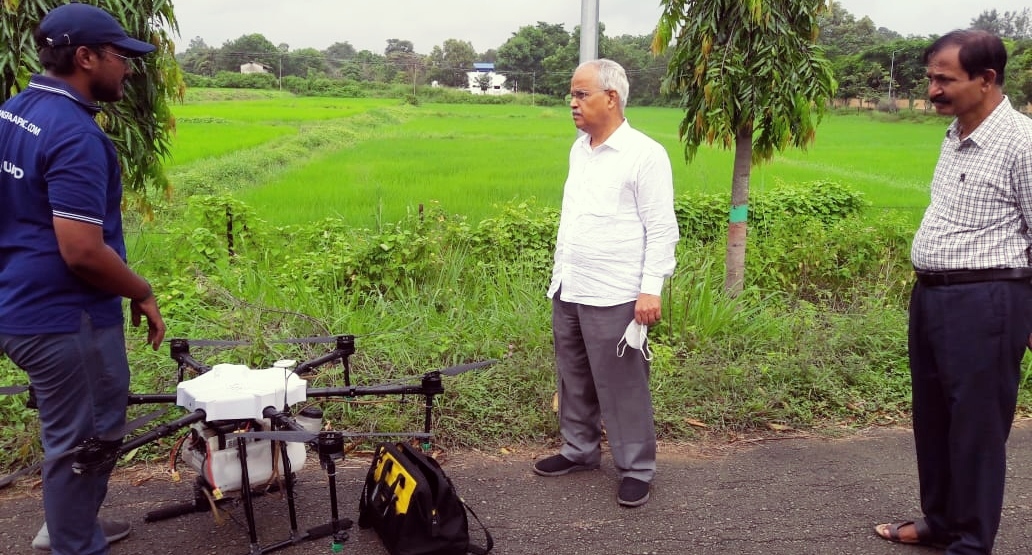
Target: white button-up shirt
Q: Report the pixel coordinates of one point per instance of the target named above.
(617, 231)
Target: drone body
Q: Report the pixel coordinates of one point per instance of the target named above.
(234, 391)
(234, 398)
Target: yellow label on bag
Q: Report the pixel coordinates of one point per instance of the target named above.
(390, 472)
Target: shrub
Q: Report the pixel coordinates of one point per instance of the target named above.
(822, 201)
(832, 262)
(193, 80)
(522, 232)
(811, 241)
(702, 217)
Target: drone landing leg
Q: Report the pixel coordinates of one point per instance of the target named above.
(431, 385)
(289, 480)
(245, 491)
(331, 446)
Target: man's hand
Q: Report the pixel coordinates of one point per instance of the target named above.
(148, 308)
(648, 309)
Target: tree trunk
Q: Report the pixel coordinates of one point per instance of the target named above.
(734, 263)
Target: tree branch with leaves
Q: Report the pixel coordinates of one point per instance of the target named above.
(142, 124)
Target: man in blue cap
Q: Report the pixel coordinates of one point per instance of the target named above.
(63, 270)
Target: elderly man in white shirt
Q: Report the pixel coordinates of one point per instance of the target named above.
(615, 248)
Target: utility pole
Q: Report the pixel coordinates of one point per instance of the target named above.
(892, 68)
(281, 70)
(588, 34)
(589, 30)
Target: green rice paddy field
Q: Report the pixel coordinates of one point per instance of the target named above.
(470, 158)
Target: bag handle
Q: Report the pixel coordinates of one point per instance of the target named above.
(476, 549)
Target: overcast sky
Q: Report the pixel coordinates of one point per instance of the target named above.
(367, 24)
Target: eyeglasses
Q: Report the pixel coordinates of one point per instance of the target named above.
(129, 62)
(581, 95)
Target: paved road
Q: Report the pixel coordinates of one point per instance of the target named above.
(786, 496)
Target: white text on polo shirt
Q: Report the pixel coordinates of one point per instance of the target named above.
(10, 168)
(20, 122)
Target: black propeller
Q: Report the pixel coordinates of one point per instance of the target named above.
(304, 436)
(459, 369)
(449, 371)
(13, 389)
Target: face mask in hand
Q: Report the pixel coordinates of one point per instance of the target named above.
(635, 337)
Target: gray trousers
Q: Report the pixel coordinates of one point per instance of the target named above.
(596, 386)
(81, 382)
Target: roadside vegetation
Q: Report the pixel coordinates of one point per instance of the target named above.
(426, 230)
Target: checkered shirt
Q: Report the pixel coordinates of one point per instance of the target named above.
(981, 201)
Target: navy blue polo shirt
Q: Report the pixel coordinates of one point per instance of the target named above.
(57, 163)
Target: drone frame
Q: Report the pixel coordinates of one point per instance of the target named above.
(329, 445)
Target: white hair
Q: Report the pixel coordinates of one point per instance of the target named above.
(611, 76)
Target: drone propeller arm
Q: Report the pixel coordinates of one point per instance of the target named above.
(282, 420)
(162, 430)
(148, 398)
(345, 347)
(430, 385)
(309, 365)
(354, 391)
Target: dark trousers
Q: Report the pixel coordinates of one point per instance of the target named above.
(966, 343)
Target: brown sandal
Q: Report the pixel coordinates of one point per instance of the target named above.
(890, 532)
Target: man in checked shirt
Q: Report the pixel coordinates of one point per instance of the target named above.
(971, 308)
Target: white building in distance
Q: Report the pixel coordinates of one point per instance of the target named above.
(483, 75)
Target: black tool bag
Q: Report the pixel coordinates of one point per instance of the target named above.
(413, 505)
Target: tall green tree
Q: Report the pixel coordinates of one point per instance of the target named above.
(842, 34)
(246, 49)
(198, 58)
(644, 70)
(365, 66)
(449, 62)
(141, 125)
(750, 76)
(399, 46)
(489, 55)
(404, 65)
(338, 54)
(522, 56)
(1018, 84)
(901, 63)
(1009, 25)
(305, 62)
(858, 78)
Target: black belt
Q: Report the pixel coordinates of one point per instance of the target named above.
(956, 277)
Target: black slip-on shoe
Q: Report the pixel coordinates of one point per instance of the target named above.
(557, 465)
(633, 492)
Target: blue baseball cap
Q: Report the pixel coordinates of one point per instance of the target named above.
(85, 25)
